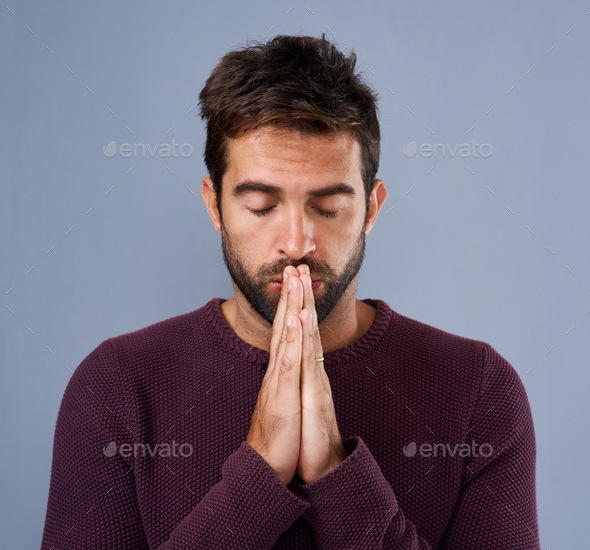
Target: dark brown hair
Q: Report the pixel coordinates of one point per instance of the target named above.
(301, 83)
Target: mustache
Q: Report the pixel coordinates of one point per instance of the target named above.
(314, 268)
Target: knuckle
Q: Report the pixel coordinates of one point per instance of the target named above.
(285, 364)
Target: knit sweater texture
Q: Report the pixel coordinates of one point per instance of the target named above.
(150, 451)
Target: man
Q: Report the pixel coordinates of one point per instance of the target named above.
(302, 417)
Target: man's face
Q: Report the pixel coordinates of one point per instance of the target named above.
(296, 230)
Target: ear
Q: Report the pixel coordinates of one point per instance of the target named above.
(210, 200)
(376, 200)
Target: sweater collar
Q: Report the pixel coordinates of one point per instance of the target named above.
(354, 351)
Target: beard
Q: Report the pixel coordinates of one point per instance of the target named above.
(255, 288)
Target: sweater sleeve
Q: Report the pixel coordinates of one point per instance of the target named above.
(92, 500)
(354, 506)
(497, 506)
(249, 508)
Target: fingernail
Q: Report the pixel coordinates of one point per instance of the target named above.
(285, 276)
(289, 322)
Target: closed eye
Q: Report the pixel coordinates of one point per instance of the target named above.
(320, 211)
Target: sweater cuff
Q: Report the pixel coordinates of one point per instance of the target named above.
(350, 500)
(263, 498)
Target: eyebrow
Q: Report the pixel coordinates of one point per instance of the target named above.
(249, 185)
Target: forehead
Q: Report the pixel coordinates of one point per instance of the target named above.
(269, 150)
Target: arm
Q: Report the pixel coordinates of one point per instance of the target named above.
(249, 508)
(354, 506)
(497, 504)
(92, 499)
(496, 507)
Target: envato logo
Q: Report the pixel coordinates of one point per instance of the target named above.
(464, 150)
(162, 450)
(459, 449)
(163, 150)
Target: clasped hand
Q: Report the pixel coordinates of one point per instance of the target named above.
(293, 425)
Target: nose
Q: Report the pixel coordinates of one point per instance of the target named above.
(296, 238)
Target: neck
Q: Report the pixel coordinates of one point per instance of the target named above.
(346, 323)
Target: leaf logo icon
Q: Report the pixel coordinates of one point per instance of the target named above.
(410, 449)
(410, 149)
(110, 449)
(110, 149)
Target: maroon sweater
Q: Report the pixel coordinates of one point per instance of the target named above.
(150, 450)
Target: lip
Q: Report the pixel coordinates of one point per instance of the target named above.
(278, 285)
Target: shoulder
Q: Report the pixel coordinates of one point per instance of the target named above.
(161, 340)
(474, 370)
(438, 356)
(428, 344)
(136, 353)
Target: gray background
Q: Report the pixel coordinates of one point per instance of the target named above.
(490, 248)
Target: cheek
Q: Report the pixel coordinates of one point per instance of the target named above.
(343, 237)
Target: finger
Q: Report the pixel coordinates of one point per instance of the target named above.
(308, 362)
(308, 297)
(289, 363)
(309, 304)
(295, 299)
(314, 372)
(291, 288)
(302, 268)
(279, 321)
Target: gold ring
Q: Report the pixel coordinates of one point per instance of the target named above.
(318, 359)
